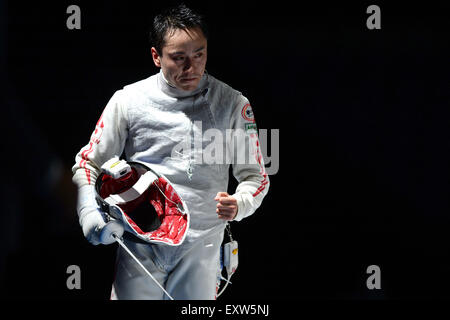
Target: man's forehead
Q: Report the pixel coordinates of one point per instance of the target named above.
(184, 38)
(176, 50)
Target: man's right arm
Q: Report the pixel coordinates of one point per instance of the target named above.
(107, 141)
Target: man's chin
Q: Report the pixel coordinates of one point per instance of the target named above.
(188, 85)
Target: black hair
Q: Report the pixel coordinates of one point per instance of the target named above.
(178, 17)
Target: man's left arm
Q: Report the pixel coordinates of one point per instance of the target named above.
(248, 166)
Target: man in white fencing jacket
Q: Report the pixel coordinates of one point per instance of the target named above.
(167, 121)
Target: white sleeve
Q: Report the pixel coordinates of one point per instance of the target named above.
(248, 163)
(107, 141)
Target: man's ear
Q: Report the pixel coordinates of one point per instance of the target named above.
(156, 57)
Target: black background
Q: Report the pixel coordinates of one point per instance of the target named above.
(364, 142)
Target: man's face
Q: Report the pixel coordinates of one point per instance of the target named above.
(183, 58)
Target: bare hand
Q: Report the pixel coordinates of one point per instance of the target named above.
(227, 207)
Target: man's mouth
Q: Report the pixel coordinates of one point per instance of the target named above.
(188, 79)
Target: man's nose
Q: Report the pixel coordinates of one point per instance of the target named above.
(187, 64)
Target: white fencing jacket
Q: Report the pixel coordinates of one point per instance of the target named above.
(189, 137)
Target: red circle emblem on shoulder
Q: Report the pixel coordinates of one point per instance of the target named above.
(247, 113)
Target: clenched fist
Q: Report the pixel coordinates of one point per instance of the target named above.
(227, 207)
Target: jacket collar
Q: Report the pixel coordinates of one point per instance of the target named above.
(174, 92)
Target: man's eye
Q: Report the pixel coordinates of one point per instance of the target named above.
(199, 55)
(178, 58)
